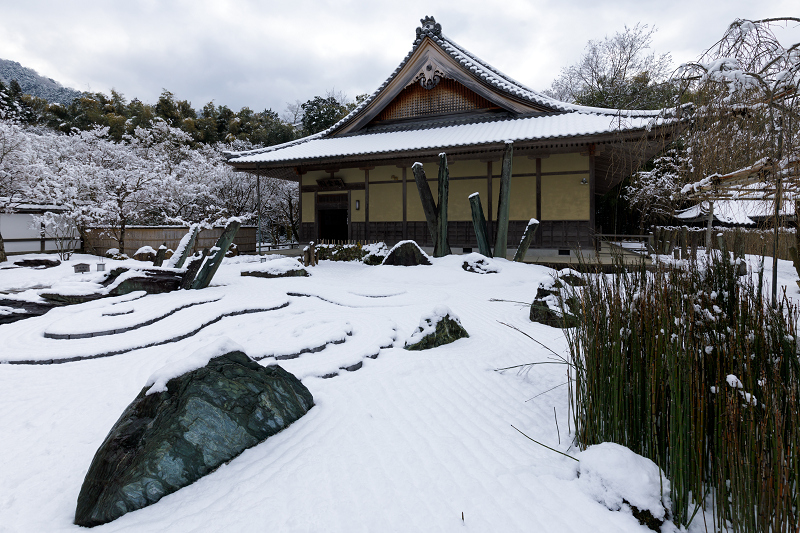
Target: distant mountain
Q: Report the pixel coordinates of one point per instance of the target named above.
(32, 83)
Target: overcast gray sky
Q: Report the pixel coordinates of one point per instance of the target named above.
(263, 54)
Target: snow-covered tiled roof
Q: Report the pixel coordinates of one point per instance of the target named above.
(480, 69)
(736, 211)
(558, 126)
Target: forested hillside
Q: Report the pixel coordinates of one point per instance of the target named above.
(32, 83)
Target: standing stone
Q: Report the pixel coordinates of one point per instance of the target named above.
(406, 253)
(426, 198)
(501, 244)
(192, 268)
(479, 223)
(160, 255)
(442, 247)
(185, 247)
(213, 262)
(170, 438)
(525, 243)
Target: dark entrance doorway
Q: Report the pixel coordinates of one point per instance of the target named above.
(332, 216)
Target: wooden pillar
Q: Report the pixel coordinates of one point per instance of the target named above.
(538, 237)
(349, 215)
(366, 205)
(489, 224)
(315, 237)
(300, 206)
(405, 207)
(591, 197)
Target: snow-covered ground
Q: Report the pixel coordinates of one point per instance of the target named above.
(398, 441)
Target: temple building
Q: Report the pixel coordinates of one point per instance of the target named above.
(356, 182)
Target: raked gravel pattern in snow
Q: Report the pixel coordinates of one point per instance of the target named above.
(407, 442)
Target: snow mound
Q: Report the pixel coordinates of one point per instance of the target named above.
(479, 264)
(196, 360)
(612, 474)
(399, 244)
(145, 250)
(277, 267)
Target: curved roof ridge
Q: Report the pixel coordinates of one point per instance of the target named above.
(341, 121)
(542, 98)
(499, 80)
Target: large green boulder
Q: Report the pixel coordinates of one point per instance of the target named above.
(441, 327)
(182, 427)
(407, 253)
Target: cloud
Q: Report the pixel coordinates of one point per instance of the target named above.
(265, 54)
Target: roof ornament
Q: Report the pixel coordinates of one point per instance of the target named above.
(429, 27)
(430, 75)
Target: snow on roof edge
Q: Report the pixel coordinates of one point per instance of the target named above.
(533, 96)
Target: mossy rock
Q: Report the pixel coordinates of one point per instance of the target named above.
(447, 329)
(374, 259)
(543, 314)
(167, 440)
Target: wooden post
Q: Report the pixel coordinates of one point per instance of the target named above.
(405, 205)
(489, 225)
(673, 237)
(442, 246)
(709, 244)
(366, 204)
(258, 210)
(426, 197)
(479, 223)
(539, 191)
(684, 242)
(592, 199)
(530, 229)
(211, 265)
(501, 244)
(300, 233)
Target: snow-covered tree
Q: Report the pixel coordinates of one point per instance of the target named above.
(745, 91)
(619, 73)
(656, 193)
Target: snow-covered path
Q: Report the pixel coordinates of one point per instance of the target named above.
(406, 442)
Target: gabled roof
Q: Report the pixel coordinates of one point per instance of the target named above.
(558, 126)
(533, 115)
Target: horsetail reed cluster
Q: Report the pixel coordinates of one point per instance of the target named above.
(691, 367)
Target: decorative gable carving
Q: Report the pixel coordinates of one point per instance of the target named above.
(430, 75)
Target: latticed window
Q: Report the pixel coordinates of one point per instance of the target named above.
(449, 96)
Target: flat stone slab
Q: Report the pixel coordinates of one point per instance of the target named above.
(38, 263)
(277, 268)
(179, 429)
